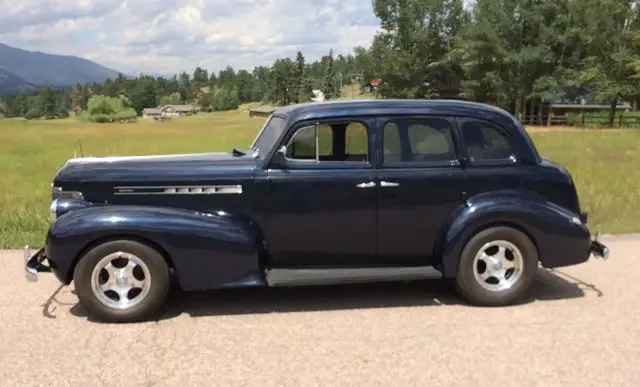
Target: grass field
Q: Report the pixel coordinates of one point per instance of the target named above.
(604, 163)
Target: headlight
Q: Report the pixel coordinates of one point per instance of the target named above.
(58, 193)
(59, 207)
(53, 210)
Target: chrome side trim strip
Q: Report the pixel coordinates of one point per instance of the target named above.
(178, 190)
(301, 277)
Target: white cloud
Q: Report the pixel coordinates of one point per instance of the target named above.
(18, 14)
(173, 35)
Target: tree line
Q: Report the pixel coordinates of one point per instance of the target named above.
(286, 81)
(516, 54)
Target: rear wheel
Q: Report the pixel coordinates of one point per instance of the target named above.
(122, 281)
(496, 267)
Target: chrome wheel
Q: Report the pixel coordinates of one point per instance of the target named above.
(498, 265)
(120, 280)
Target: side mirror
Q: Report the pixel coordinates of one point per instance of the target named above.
(279, 158)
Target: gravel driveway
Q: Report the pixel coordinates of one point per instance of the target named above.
(581, 327)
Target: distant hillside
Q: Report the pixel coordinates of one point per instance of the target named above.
(12, 84)
(42, 70)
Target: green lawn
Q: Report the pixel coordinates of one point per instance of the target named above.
(604, 164)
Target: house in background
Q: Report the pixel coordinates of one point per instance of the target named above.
(318, 96)
(371, 86)
(168, 111)
(151, 113)
(178, 110)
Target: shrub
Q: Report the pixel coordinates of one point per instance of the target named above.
(33, 114)
(99, 118)
(125, 115)
(102, 109)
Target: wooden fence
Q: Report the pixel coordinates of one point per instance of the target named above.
(621, 120)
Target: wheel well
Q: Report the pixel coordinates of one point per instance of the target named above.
(499, 223)
(114, 237)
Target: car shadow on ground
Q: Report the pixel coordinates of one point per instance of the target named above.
(549, 285)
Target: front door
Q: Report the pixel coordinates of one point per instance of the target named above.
(320, 207)
(421, 184)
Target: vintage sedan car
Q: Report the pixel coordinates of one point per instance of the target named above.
(333, 192)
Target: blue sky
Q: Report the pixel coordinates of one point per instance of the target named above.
(166, 36)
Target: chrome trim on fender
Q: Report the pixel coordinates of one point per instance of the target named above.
(178, 190)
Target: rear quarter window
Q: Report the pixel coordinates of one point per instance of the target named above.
(485, 141)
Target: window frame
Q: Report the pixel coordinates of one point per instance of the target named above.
(263, 155)
(453, 162)
(514, 159)
(317, 164)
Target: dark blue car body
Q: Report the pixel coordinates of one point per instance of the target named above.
(229, 219)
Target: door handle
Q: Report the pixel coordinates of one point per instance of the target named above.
(388, 184)
(369, 184)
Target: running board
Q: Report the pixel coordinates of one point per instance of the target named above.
(301, 277)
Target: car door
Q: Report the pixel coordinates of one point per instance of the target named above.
(421, 184)
(320, 205)
(491, 161)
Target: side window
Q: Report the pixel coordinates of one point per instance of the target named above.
(392, 149)
(339, 142)
(485, 141)
(418, 141)
(356, 140)
(303, 144)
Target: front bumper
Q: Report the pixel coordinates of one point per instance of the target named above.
(33, 264)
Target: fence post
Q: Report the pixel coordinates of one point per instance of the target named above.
(620, 121)
(582, 118)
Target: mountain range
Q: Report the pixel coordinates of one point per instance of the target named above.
(23, 71)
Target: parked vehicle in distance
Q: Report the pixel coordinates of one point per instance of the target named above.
(329, 192)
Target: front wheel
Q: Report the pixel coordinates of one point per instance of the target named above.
(496, 267)
(122, 281)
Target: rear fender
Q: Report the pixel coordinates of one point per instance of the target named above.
(558, 234)
(207, 250)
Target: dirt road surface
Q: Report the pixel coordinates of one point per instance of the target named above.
(580, 327)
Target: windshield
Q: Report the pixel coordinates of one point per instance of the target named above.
(268, 135)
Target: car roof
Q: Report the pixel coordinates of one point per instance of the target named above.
(327, 109)
(441, 107)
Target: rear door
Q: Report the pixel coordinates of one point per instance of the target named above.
(491, 162)
(420, 185)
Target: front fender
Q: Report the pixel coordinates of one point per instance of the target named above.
(206, 250)
(559, 235)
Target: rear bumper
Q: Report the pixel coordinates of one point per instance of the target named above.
(34, 264)
(598, 249)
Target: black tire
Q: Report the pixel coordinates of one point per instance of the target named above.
(476, 294)
(148, 308)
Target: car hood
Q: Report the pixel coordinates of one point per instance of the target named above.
(160, 168)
